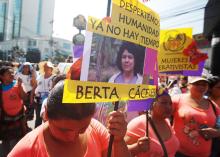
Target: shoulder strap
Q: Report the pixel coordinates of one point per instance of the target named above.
(158, 136)
(1, 101)
(172, 116)
(1, 104)
(213, 107)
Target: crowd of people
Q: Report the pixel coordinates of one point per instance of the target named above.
(184, 120)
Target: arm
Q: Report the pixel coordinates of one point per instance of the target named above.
(33, 79)
(22, 94)
(209, 133)
(117, 126)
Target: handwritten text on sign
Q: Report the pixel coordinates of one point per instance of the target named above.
(87, 92)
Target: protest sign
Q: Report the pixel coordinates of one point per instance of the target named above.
(105, 40)
(86, 92)
(172, 44)
(130, 22)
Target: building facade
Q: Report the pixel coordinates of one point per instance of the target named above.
(26, 26)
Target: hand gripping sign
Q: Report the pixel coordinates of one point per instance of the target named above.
(92, 92)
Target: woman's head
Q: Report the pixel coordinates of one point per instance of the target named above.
(214, 86)
(26, 68)
(162, 105)
(48, 68)
(67, 121)
(6, 74)
(197, 85)
(130, 57)
(57, 110)
(58, 78)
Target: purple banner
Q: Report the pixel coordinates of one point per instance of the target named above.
(188, 72)
(77, 51)
(139, 105)
(150, 66)
(150, 71)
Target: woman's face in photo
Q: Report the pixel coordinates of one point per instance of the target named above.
(127, 61)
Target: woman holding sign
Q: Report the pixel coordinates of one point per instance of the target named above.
(71, 131)
(142, 146)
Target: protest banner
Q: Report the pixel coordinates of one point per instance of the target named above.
(104, 39)
(170, 55)
(130, 22)
(91, 92)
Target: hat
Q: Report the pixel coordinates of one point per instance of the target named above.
(49, 64)
(27, 63)
(194, 79)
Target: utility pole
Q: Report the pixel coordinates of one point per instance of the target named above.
(51, 42)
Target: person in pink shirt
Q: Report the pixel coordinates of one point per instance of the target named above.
(142, 146)
(194, 120)
(71, 131)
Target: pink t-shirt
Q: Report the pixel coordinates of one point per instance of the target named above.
(187, 122)
(32, 145)
(137, 129)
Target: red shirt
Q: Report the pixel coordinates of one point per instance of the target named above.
(12, 103)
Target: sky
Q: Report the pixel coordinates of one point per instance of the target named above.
(173, 13)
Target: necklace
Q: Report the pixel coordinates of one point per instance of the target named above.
(202, 103)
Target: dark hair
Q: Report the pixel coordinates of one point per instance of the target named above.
(4, 69)
(6, 63)
(213, 80)
(58, 78)
(138, 52)
(58, 110)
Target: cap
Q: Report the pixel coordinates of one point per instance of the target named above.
(49, 64)
(194, 79)
(27, 63)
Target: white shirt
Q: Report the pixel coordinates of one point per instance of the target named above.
(44, 85)
(26, 81)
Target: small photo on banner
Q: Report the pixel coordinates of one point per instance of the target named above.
(171, 57)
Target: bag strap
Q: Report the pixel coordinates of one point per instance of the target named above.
(172, 116)
(1, 104)
(158, 136)
(213, 107)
